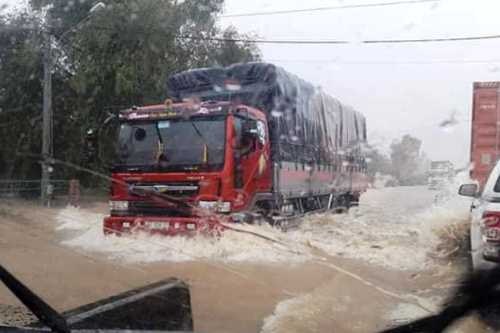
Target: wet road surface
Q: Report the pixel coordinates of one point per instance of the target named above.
(358, 272)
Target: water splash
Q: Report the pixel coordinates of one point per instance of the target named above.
(393, 228)
(142, 248)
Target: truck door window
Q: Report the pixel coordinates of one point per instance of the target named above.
(261, 131)
(238, 130)
(249, 134)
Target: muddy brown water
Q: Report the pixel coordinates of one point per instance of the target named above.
(338, 294)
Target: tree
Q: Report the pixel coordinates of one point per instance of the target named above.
(231, 50)
(378, 163)
(20, 94)
(406, 160)
(119, 57)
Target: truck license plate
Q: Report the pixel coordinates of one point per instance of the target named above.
(156, 225)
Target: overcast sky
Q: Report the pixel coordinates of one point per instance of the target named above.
(403, 88)
(397, 87)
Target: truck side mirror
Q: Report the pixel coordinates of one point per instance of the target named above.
(250, 132)
(468, 190)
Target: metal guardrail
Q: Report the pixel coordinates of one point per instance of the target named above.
(13, 188)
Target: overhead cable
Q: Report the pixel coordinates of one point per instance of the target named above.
(328, 8)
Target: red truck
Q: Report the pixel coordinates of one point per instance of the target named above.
(485, 135)
(243, 142)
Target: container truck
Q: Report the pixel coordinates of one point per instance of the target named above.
(485, 136)
(250, 141)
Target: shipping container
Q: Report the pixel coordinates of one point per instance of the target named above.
(485, 135)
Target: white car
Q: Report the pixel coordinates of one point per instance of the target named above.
(485, 221)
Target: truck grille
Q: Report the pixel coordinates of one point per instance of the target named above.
(174, 189)
(147, 208)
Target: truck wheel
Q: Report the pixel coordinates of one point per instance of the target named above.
(341, 210)
(342, 205)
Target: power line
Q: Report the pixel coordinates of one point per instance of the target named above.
(328, 42)
(332, 41)
(427, 40)
(409, 62)
(320, 9)
(325, 41)
(262, 41)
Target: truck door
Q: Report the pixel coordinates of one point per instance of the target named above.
(249, 153)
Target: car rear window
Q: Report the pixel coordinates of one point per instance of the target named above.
(497, 186)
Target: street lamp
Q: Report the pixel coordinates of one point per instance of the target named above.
(47, 149)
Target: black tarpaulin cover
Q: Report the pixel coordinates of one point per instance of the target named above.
(301, 116)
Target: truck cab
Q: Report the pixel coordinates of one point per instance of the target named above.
(177, 163)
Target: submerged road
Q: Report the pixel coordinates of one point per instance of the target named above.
(358, 272)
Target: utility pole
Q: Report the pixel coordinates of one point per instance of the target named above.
(47, 112)
(47, 145)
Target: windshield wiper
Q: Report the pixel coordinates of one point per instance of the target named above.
(205, 145)
(164, 306)
(161, 146)
(43, 311)
(478, 291)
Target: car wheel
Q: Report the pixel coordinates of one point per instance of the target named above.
(479, 263)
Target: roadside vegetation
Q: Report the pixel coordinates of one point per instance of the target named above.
(405, 164)
(118, 57)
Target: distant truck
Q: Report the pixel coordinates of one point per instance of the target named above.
(440, 174)
(485, 135)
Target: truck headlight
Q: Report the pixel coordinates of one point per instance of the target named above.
(222, 207)
(118, 205)
(207, 204)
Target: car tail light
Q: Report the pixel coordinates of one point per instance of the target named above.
(490, 224)
(491, 219)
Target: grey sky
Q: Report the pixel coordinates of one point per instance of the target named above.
(413, 97)
(397, 87)
(11, 4)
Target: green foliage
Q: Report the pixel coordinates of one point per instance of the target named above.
(378, 163)
(230, 51)
(20, 94)
(406, 164)
(111, 59)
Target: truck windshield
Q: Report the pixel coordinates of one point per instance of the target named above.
(176, 145)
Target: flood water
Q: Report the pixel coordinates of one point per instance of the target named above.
(357, 272)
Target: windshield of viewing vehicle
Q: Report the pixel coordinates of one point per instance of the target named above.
(173, 144)
(262, 166)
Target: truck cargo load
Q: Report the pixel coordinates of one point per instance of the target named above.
(299, 113)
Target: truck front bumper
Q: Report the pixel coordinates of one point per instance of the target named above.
(161, 225)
